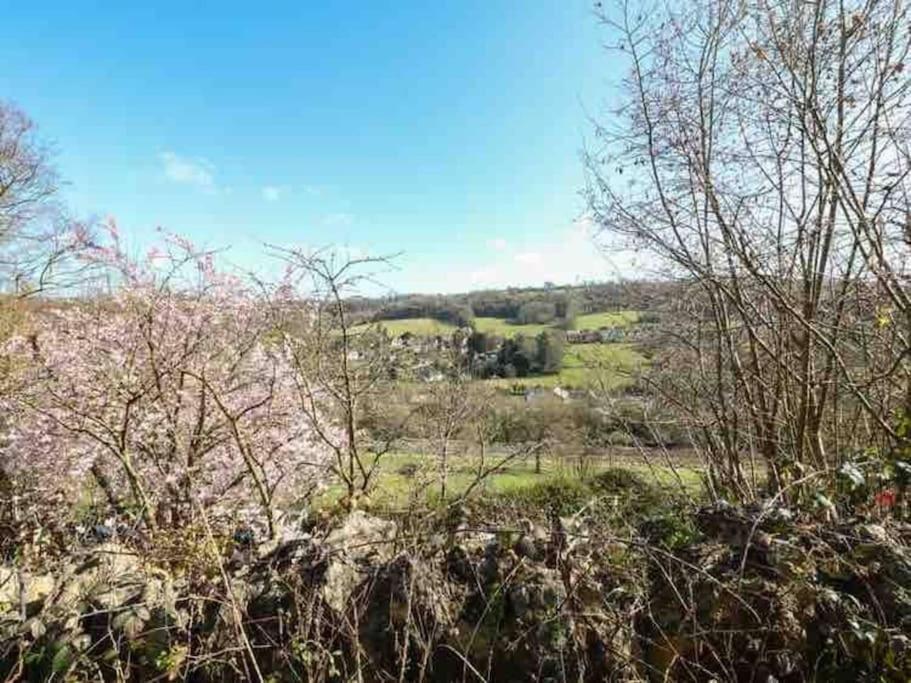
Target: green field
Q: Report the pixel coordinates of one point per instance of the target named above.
(607, 366)
(589, 321)
(503, 328)
(426, 327)
(595, 321)
(420, 327)
(405, 478)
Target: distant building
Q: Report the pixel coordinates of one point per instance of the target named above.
(612, 334)
(534, 394)
(583, 337)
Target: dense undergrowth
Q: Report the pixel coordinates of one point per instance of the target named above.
(610, 578)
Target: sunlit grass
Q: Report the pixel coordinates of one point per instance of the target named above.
(425, 327)
(413, 478)
(503, 328)
(608, 366)
(594, 321)
(420, 327)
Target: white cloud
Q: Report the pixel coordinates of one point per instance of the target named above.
(272, 193)
(197, 173)
(498, 244)
(483, 276)
(528, 258)
(570, 255)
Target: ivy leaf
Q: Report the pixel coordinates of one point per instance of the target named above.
(853, 474)
(823, 501)
(62, 660)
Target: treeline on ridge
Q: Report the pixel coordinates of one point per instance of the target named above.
(537, 305)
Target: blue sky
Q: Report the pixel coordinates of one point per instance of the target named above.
(449, 130)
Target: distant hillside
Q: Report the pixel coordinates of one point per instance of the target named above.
(527, 306)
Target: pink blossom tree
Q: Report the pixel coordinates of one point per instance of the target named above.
(172, 393)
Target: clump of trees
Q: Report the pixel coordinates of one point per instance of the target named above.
(519, 356)
(561, 312)
(536, 312)
(439, 308)
(539, 306)
(522, 306)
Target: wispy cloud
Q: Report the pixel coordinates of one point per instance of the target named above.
(338, 220)
(199, 173)
(528, 258)
(483, 276)
(272, 193)
(573, 254)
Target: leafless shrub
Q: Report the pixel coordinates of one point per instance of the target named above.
(338, 367)
(760, 157)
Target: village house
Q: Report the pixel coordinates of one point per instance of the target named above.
(604, 335)
(582, 337)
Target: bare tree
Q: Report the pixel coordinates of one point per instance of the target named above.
(451, 409)
(339, 366)
(36, 235)
(760, 156)
(37, 239)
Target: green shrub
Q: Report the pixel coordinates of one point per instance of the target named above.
(562, 495)
(634, 495)
(671, 529)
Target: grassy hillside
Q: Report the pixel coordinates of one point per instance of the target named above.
(426, 327)
(594, 321)
(608, 366)
(421, 327)
(504, 328)
(410, 477)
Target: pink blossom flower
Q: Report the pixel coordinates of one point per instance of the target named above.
(168, 388)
